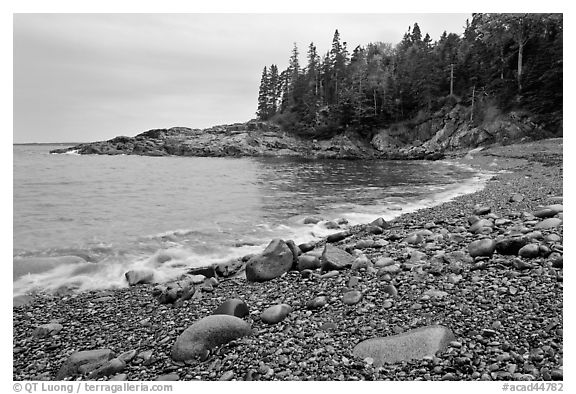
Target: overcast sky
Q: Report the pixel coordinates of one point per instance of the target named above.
(87, 77)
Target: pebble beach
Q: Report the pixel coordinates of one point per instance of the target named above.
(485, 268)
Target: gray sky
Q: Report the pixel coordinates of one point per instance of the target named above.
(87, 77)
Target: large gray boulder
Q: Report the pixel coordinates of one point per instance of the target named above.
(412, 345)
(276, 259)
(548, 224)
(84, 361)
(139, 276)
(206, 334)
(482, 247)
(334, 258)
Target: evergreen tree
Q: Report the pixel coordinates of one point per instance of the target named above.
(263, 95)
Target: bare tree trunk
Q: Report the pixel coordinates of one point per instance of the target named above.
(374, 95)
(520, 53)
(472, 110)
(451, 79)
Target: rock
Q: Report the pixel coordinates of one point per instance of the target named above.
(521, 264)
(482, 247)
(545, 213)
(206, 334)
(548, 224)
(312, 220)
(411, 345)
(275, 313)
(556, 259)
(197, 279)
(118, 378)
(380, 222)
(334, 258)
(390, 269)
(330, 274)
(208, 272)
(364, 244)
(432, 293)
(482, 210)
(384, 262)
(139, 276)
(317, 302)
(169, 296)
(374, 230)
(390, 289)
(331, 225)
(127, 356)
(227, 376)
(229, 268)
(516, 198)
(361, 262)
(110, 367)
(170, 377)
(337, 236)
(295, 251)
(276, 259)
(414, 239)
(308, 262)
(72, 366)
(529, 251)
(232, 307)
(306, 247)
(480, 225)
(352, 297)
(46, 330)
(510, 246)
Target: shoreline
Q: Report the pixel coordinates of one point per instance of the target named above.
(320, 342)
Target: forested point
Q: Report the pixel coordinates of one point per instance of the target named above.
(501, 63)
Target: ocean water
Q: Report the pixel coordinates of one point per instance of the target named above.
(81, 222)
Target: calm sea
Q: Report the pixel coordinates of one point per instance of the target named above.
(169, 213)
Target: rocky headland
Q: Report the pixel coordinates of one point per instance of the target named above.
(468, 290)
(432, 138)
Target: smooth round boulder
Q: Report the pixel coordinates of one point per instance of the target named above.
(545, 213)
(352, 297)
(317, 302)
(276, 259)
(482, 247)
(529, 251)
(510, 246)
(232, 307)
(412, 345)
(206, 334)
(275, 313)
(481, 226)
(548, 224)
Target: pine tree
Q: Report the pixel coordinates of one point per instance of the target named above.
(263, 95)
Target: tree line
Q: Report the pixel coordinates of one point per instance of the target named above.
(501, 62)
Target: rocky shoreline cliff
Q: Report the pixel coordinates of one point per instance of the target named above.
(432, 138)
